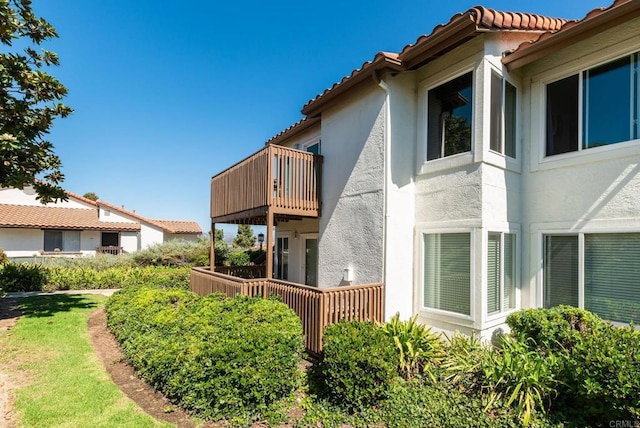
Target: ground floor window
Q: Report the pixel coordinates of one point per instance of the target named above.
(599, 272)
(62, 240)
(447, 272)
(501, 272)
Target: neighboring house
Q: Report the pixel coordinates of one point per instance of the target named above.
(490, 166)
(79, 226)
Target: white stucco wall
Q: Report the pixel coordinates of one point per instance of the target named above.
(17, 242)
(309, 135)
(130, 241)
(351, 226)
(150, 235)
(27, 196)
(181, 236)
(593, 190)
(109, 215)
(89, 240)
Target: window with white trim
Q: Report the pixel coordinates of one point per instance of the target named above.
(608, 113)
(450, 112)
(62, 240)
(606, 280)
(447, 272)
(501, 272)
(502, 134)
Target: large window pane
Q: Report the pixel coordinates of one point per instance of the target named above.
(607, 110)
(612, 276)
(449, 121)
(509, 293)
(53, 240)
(495, 134)
(562, 116)
(561, 271)
(447, 272)
(510, 119)
(493, 273)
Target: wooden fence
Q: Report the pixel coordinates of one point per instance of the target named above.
(316, 307)
(246, 272)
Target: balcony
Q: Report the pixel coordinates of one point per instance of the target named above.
(276, 180)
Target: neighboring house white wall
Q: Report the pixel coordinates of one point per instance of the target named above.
(18, 242)
(594, 190)
(89, 240)
(351, 224)
(109, 215)
(27, 196)
(130, 241)
(150, 235)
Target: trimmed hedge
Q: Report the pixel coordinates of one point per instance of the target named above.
(597, 364)
(358, 365)
(33, 277)
(215, 357)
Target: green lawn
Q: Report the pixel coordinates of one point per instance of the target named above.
(65, 384)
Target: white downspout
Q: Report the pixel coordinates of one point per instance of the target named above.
(387, 181)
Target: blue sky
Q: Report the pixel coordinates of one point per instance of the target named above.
(167, 94)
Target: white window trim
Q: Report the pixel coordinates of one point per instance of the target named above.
(310, 142)
(540, 231)
(501, 314)
(538, 91)
(447, 162)
(492, 157)
(439, 314)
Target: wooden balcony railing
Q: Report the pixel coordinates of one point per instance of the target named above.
(284, 179)
(110, 249)
(246, 272)
(316, 307)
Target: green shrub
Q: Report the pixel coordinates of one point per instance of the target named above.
(414, 343)
(175, 252)
(358, 365)
(556, 329)
(3, 257)
(22, 277)
(239, 258)
(216, 357)
(597, 364)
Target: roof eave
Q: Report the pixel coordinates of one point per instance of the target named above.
(294, 130)
(569, 36)
(381, 64)
(450, 36)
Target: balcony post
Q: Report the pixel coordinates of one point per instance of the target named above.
(269, 249)
(212, 258)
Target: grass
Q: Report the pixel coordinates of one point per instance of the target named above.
(65, 385)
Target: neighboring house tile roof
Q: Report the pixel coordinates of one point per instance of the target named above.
(594, 22)
(176, 226)
(444, 37)
(26, 216)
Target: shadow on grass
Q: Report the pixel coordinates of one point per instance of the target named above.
(46, 306)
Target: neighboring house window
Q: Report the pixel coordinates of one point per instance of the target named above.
(501, 272)
(62, 240)
(607, 115)
(447, 272)
(449, 117)
(610, 285)
(503, 116)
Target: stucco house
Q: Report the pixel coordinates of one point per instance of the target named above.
(492, 165)
(79, 226)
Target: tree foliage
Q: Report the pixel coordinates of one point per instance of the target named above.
(29, 102)
(91, 196)
(245, 237)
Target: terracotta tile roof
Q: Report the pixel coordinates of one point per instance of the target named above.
(46, 217)
(177, 226)
(381, 61)
(295, 129)
(162, 224)
(444, 37)
(571, 32)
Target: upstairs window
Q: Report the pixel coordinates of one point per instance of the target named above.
(608, 113)
(449, 118)
(503, 116)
